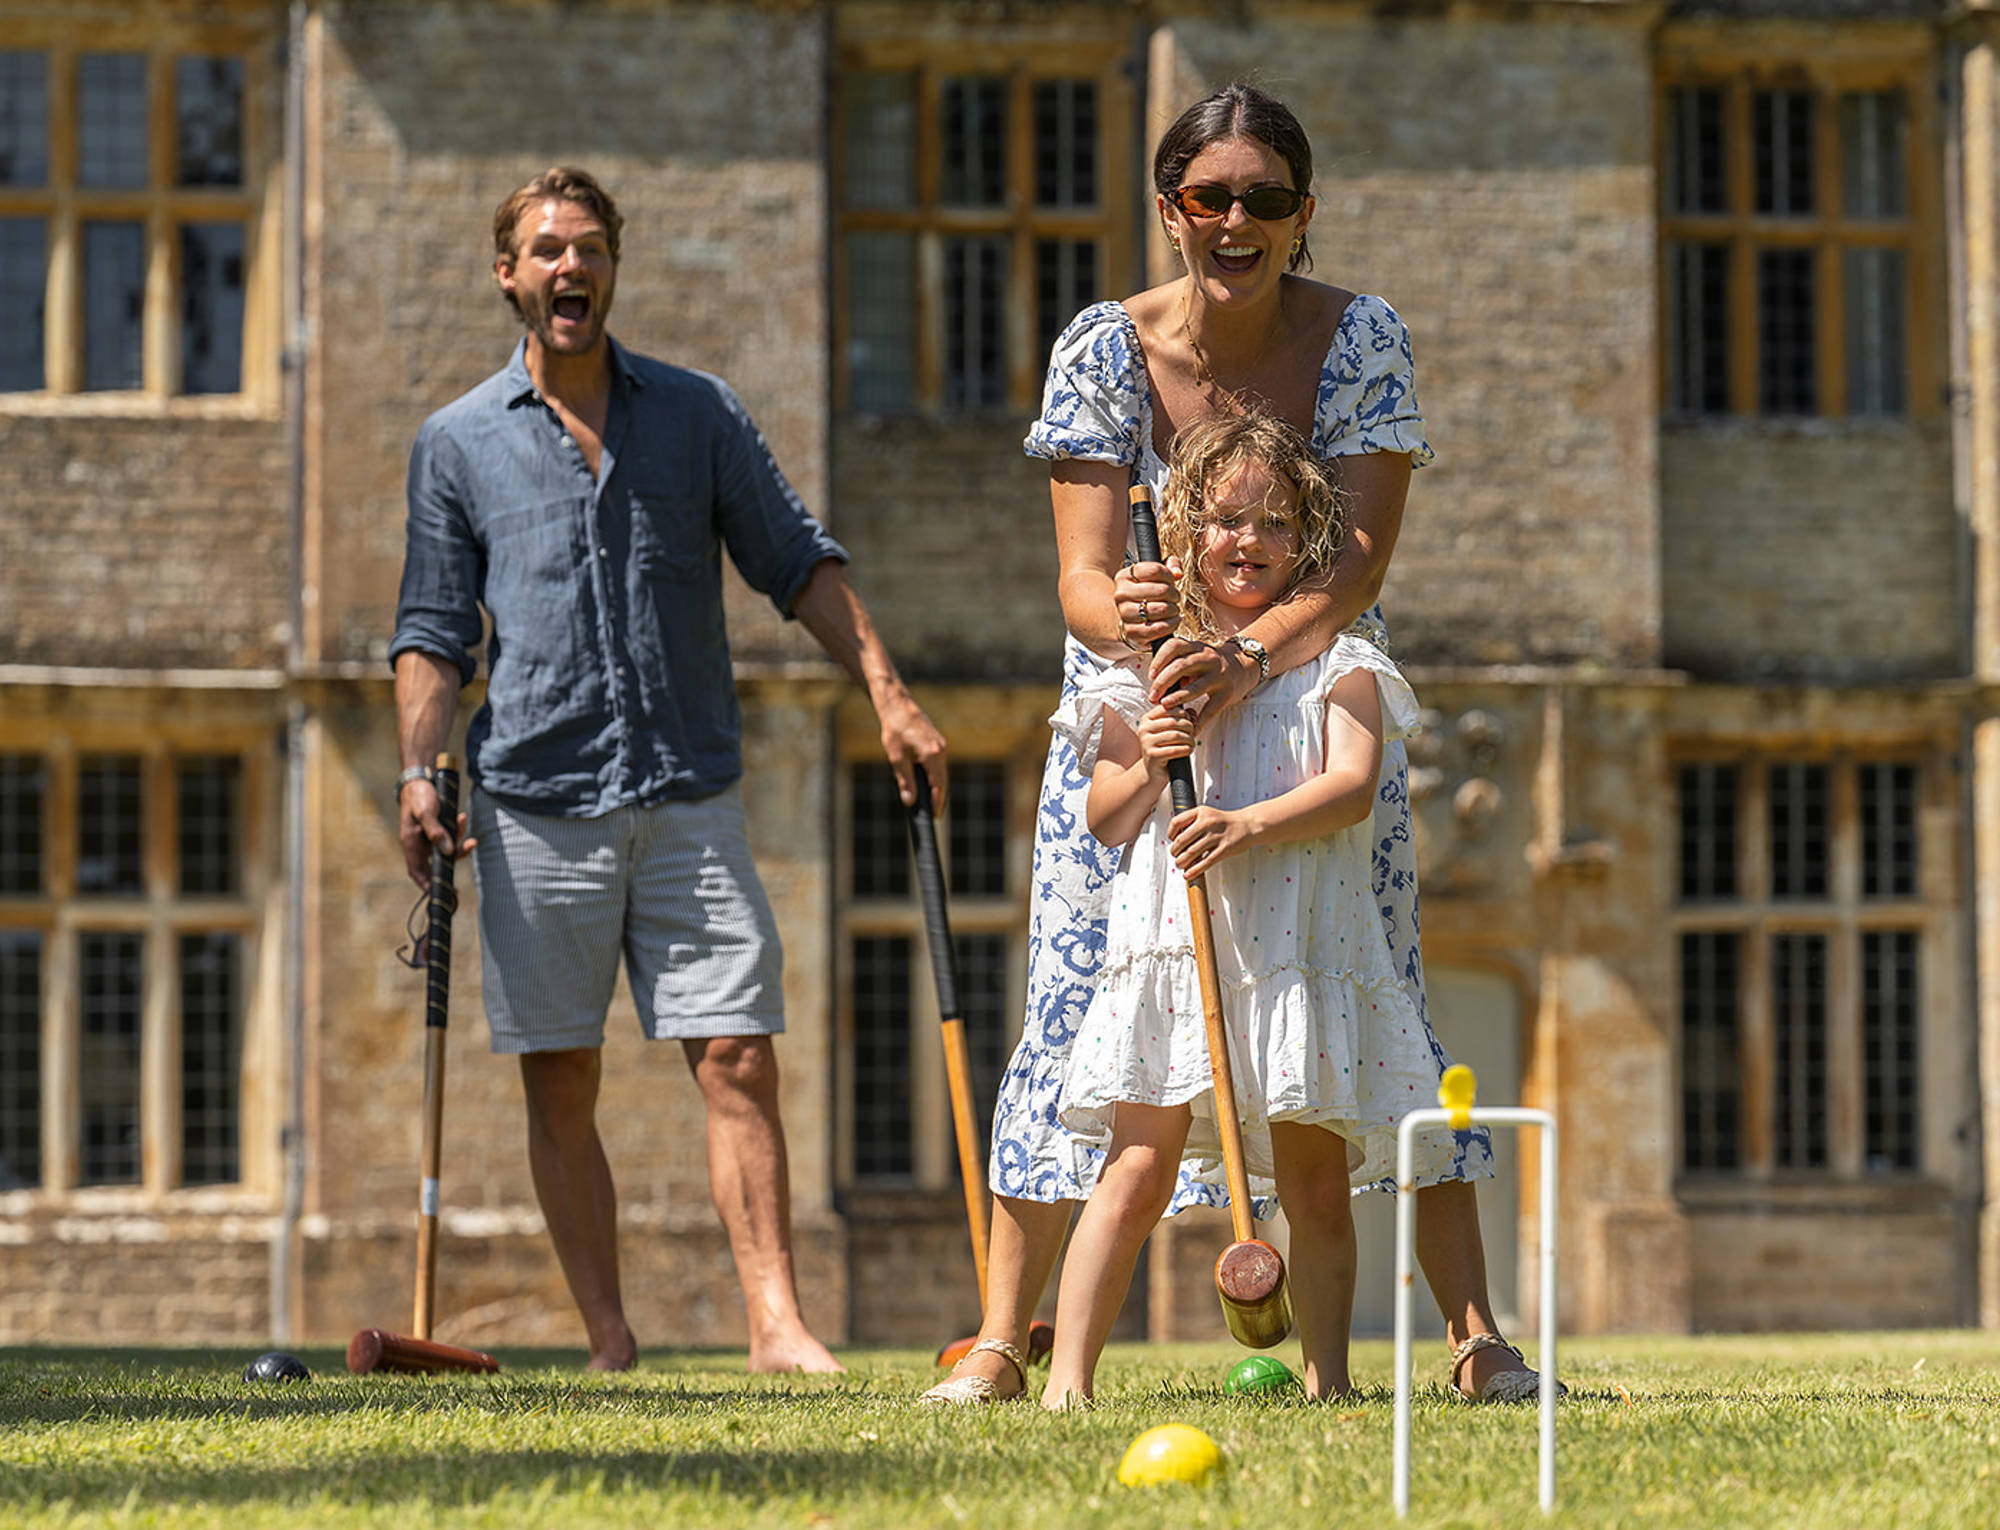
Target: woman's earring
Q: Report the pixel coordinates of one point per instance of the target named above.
(1174, 240)
(1298, 244)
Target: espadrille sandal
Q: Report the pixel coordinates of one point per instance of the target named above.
(1519, 1385)
(978, 1389)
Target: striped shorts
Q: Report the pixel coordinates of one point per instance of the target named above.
(672, 888)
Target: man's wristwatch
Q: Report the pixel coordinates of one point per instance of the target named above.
(1259, 652)
(412, 773)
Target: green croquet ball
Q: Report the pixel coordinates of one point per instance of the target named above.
(1170, 1453)
(1260, 1373)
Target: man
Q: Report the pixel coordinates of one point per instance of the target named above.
(582, 496)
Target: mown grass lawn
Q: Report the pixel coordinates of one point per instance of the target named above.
(1825, 1431)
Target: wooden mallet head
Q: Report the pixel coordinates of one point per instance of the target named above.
(1250, 1279)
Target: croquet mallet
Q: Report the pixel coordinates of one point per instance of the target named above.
(1249, 1273)
(957, 1060)
(375, 1349)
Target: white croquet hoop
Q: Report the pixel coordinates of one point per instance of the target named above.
(1405, 1272)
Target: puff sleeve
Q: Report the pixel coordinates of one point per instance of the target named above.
(1119, 688)
(1091, 403)
(1368, 392)
(1401, 716)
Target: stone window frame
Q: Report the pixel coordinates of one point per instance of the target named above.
(236, 29)
(878, 40)
(1002, 727)
(161, 914)
(1757, 918)
(1737, 59)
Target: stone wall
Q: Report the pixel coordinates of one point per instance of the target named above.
(174, 526)
(1819, 550)
(1834, 1266)
(137, 1277)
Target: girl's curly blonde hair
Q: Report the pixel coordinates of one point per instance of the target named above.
(1206, 454)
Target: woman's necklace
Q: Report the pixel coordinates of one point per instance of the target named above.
(1204, 375)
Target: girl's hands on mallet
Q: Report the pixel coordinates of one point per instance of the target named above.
(1165, 734)
(1204, 836)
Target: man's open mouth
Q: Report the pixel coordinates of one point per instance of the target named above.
(572, 306)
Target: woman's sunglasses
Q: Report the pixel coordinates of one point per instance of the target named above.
(1267, 204)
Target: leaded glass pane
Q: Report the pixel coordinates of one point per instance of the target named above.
(881, 139)
(1782, 152)
(23, 281)
(1694, 162)
(208, 121)
(211, 976)
(1872, 155)
(1066, 143)
(24, 118)
(881, 1102)
(880, 844)
(1698, 328)
(1874, 313)
(111, 146)
(111, 971)
(881, 277)
(973, 172)
(1787, 333)
(114, 305)
(20, 1059)
(211, 307)
(975, 290)
(109, 843)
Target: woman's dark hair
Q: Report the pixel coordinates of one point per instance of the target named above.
(1236, 111)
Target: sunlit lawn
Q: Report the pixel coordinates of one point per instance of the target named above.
(1827, 1431)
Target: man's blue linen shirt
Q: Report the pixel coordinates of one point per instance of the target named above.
(609, 678)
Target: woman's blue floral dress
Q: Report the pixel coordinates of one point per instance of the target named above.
(1097, 407)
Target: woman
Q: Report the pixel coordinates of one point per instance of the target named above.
(1231, 178)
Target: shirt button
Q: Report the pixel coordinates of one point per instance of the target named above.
(621, 672)
(603, 552)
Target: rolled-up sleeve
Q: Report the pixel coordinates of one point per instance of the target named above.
(437, 608)
(773, 540)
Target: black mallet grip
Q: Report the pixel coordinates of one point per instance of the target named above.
(1146, 542)
(443, 898)
(930, 888)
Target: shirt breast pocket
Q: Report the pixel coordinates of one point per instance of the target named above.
(533, 546)
(672, 539)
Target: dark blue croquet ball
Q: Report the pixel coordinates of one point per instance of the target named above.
(276, 1365)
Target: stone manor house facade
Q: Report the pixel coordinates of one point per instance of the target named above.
(1702, 596)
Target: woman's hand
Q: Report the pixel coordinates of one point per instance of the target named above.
(1204, 836)
(1164, 734)
(1202, 678)
(1149, 607)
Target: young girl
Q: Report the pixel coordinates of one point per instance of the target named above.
(1328, 1048)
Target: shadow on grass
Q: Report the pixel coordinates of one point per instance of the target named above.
(477, 1477)
(51, 1385)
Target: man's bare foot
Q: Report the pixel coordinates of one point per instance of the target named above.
(615, 1357)
(799, 1352)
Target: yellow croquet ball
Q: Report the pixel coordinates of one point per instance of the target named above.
(1170, 1453)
